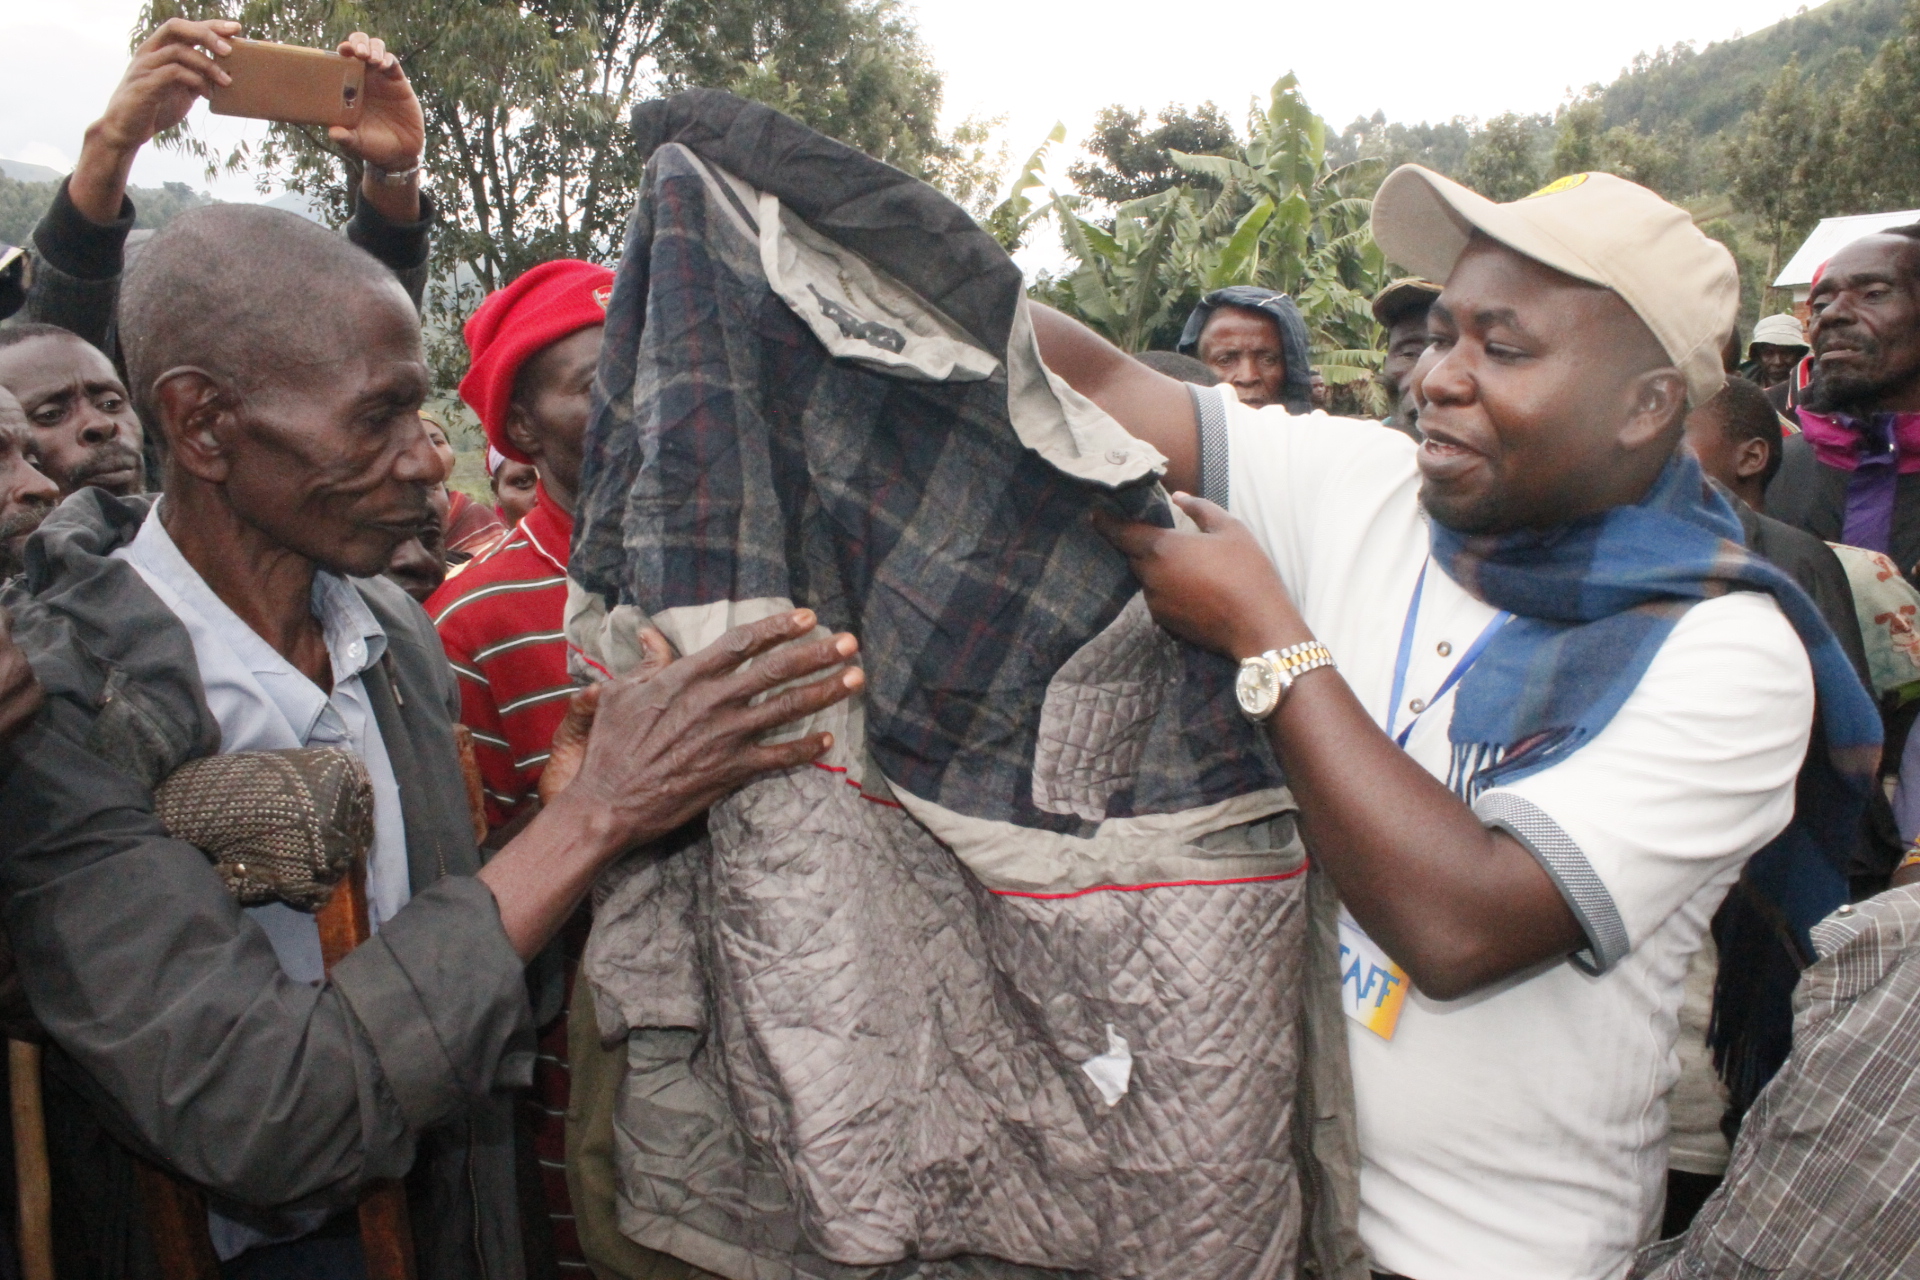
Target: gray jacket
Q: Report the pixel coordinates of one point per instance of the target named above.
(165, 999)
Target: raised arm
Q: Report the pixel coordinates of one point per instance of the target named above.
(80, 243)
(1148, 404)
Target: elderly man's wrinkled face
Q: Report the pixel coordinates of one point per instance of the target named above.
(1242, 346)
(26, 495)
(330, 458)
(83, 423)
(1528, 396)
(1866, 328)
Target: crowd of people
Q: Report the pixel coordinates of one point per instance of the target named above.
(1640, 892)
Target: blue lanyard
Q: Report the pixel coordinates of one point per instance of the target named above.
(1406, 655)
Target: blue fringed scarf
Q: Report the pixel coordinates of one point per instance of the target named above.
(1592, 602)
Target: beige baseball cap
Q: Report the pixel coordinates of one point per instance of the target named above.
(1594, 227)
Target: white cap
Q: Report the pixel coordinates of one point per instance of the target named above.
(1594, 227)
(1780, 331)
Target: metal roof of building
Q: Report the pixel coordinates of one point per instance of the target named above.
(1833, 235)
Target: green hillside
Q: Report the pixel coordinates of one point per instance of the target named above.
(1712, 88)
(22, 203)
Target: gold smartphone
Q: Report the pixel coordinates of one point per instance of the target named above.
(290, 84)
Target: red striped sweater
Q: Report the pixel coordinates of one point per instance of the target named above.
(500, 621)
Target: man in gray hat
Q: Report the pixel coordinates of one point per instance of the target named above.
(1533, 734)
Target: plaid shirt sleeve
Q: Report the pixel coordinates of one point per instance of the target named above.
(1825, 1179)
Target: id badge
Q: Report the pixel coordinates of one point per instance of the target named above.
(1372, 986)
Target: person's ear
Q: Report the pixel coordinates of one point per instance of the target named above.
(1657, 407)
(196, 415)
(520, 431)
(1750, 457)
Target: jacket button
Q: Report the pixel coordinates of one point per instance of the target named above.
(1444, 648)
(1116, 456)
(1417, 705)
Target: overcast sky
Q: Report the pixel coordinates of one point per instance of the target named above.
(1038, 61)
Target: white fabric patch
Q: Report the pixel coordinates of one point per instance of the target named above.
(859, 312)
(1110, 1071)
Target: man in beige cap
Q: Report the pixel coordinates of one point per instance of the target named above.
(1535, 736)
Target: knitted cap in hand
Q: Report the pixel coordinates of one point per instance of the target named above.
(546, 304)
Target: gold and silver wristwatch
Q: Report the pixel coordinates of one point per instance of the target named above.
(1265, 678)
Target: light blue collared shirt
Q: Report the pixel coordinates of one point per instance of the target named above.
(263, 703)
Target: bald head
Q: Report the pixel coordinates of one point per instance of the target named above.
(248, 294)
(283, 368)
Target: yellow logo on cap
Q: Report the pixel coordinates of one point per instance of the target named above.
(1558, 185)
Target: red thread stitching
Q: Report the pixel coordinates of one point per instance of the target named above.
(836, 768)
(1136, 888)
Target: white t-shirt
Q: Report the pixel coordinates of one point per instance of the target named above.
(1520, 1133)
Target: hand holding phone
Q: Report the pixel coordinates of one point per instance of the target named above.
(170, 69)
(392, 128)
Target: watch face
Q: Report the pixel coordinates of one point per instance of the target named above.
(1257, 687)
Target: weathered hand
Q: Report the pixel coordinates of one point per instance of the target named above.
(1215, 587)
(666, 743)
(392, 129)
(20, 694)
(168, 72)
(569, 750)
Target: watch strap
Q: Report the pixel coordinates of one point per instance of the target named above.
(391, 177)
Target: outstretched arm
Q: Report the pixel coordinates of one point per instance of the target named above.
(1148, 404)
(1457, 905)
(80, 242)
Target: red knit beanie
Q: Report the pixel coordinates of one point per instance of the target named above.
(534, 312)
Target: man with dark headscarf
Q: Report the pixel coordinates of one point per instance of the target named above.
(1255, 339)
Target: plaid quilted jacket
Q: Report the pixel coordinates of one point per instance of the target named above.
(1008, 985)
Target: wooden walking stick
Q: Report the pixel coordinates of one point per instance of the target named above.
(386, 1233)
(176, 1210)
(31, 1176)
(476, 788)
